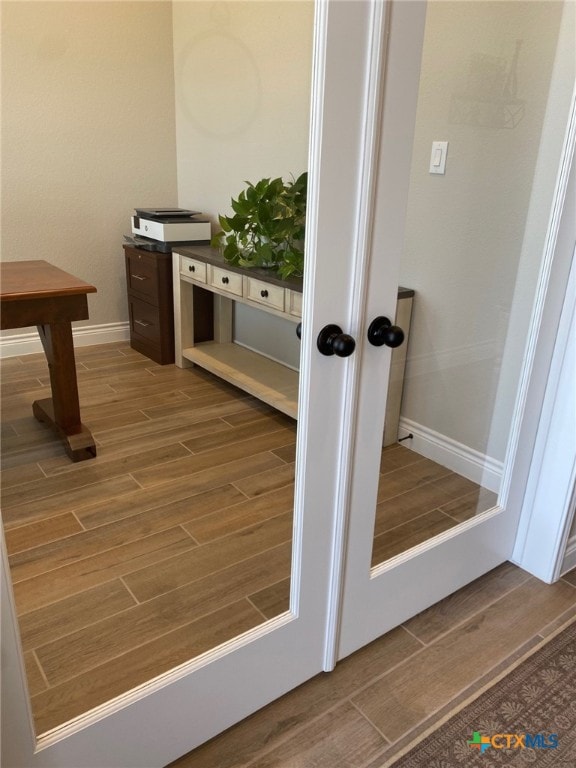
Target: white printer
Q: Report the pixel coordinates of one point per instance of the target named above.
(170, 225)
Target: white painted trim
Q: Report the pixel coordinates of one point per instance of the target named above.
(28, 343)
(458, 457)
(569, 561)
(547, 506)
(369, 141)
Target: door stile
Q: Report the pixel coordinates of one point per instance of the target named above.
(375, 16)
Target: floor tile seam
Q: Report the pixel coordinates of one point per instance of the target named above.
(17, 484)
(106, 549)
(40, 668)
(37, 647)
(231, 506)
(481, 609)
(238, 530)
(51, 541)
(127, 588)
(463, 495)
(246, 496)
(204, 469)
(293, 732)
(370, 723)
(407, 522)
(427, 646)
(64, 493)
(210, 574)
(571, 618)
(474, 687)
(138, 646)
(195, 421)
(176, 500)
(96, 554)
(273, 584)
(264, 617)
(236, 442)
(187, 533)
(565, 581)
(416, 487)
(418, 639)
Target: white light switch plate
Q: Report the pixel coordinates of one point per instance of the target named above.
(438, 157)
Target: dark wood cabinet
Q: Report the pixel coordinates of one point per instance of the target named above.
(150, 303)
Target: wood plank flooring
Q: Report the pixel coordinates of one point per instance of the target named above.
(177, 537)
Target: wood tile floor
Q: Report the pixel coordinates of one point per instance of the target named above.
(186, 512)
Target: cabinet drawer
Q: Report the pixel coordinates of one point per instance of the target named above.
(294, 303)
(264, 293)
(192, 268)
(144, 320)
(142, 275)
(231, 282)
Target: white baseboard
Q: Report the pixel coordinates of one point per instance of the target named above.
(569, 561)
(29, 343)
(466, 461)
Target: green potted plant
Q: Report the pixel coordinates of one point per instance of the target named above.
(267, 227)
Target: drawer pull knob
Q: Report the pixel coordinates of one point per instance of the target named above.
(264, 293)
(192, 268)
(142, 323)
(225, 280)
(139, 277)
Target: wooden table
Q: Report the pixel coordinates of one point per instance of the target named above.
(37, 293)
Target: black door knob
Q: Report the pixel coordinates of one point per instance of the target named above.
(381, 331)
(299, 330)
(331, 341)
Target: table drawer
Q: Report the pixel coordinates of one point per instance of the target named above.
(193, 268)
(144, 320)
(142, 274)
(294, 303)
(264, 293)
(231, 282)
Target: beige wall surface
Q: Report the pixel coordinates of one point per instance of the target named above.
(88, 133)
(466, 229)
(243, 74)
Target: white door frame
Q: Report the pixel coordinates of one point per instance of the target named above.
(549, 503)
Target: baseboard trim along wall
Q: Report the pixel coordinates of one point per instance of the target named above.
(29, 343)
(466, 461)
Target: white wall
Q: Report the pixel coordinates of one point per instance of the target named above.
(243, 76)
(465, 231)
(88, 133)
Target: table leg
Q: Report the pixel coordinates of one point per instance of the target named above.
(62, 410)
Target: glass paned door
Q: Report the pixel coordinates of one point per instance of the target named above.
(449, 486)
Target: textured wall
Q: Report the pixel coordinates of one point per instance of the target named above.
(88, 133)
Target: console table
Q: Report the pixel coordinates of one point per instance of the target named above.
(200, 272)
(38, 293)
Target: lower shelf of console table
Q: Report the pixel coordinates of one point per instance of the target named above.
(200, 273)
(269, 381)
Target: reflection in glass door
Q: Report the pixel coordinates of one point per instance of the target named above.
(484, 83)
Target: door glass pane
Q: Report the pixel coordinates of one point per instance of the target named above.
(474, 240)
(177, 537)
